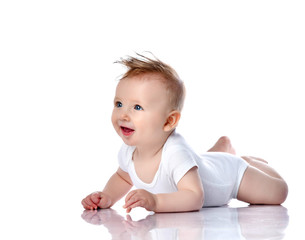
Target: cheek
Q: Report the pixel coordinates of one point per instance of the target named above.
(113, 118)
(156, 121)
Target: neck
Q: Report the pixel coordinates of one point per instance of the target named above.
(149, 151)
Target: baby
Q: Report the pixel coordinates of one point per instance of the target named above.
(168, 174)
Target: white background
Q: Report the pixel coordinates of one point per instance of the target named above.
(242, 63)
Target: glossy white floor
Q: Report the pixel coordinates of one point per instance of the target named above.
(56, 217)
(255, 222)
(236, 221)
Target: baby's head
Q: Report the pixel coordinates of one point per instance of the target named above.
(166, 74)
(148, 101)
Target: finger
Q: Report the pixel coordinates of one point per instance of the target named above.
(89, 201)
(90, 205)
(131, 197)
(134, 205)
(131, 201)
(85, 205)
(95, 198)
(137, 204)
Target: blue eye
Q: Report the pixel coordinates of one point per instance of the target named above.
(138, 107)
(118, 104)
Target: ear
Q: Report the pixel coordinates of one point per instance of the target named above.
(172, 121)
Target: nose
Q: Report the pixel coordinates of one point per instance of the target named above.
(124, 116)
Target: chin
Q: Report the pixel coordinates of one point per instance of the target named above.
(128, 141)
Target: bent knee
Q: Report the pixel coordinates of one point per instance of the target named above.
(276, 196)
(259, 188)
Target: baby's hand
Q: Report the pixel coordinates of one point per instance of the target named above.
(96, 200)
(140, 198)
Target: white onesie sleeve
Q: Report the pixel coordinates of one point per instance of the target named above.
(125, 157)
(179, 162)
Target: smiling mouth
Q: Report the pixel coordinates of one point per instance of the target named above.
(127, 131)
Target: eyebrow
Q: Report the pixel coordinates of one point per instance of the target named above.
(134, 101)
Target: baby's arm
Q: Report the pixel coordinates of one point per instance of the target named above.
(117, 186)
(189, 196)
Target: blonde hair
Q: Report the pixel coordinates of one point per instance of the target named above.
(142, 65)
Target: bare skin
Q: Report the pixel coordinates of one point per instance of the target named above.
(223, 144)
(261, 184)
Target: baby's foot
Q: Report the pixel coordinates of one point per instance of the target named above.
(223, 145)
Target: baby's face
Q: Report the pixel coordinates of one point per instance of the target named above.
(141, 108)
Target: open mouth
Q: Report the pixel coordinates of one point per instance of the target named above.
(127, 131)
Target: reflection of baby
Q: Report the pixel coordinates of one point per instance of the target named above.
(169, 175)
(263, 222)
(110, 219)
(209, 223)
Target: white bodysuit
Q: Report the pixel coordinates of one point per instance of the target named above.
(220, 173)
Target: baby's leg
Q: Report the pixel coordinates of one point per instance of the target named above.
(223, 145)
(247, 158)
(261, 184)
(262, 165)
